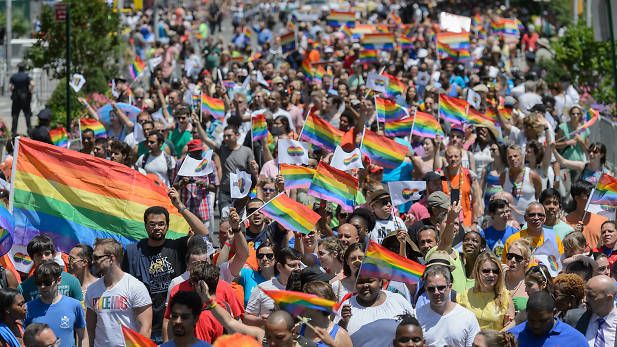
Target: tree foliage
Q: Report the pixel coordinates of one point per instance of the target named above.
(95, 48)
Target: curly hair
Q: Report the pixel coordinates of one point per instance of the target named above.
(333, 246)
(570, 284)
(498, 338)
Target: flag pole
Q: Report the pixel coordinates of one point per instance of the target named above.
(413, 125)
(259, 209)
(13, 172)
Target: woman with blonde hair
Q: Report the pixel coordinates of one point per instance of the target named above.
(489, 299)
(517, 261)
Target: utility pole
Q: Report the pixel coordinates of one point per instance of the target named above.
(7, 38)
(68, 66)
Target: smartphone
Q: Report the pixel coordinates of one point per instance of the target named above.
(455, 195)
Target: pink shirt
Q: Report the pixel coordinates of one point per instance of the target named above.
(419, 209)
(270, 169)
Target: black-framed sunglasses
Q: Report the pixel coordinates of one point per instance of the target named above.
(269, 256)
(516, 257)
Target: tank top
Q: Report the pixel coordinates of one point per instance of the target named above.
(320, 343)
(524, 194)
(462, 181)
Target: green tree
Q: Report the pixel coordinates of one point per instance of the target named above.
(95, 49)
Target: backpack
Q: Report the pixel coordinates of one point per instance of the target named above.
(170, 169)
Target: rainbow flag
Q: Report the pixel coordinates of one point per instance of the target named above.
(405, 43)
(196, 100)
(382, 150)
(296, 176)
(339, 18)
(398, 128)
(288, 42)
(320, 133)
(318, 74)
(290, 214)
(425, 125)
(75, 197)
(594, 118)
(94, 125)
(477, 23)
(388, 110)
(248, 32)
(507, 27)
(137, 67)
(307, 68)
(259, 127)
(334, 185)
(367, 56)
(378, 41)
(605, 193)
(407, 30)
(455, 40)
(135, 339)
(506, 113)
(59, 137)
(394, 88)
(212, 106)
(452, 110)
(7, 229)
(382, 263)
(296, 302)
(476, 117)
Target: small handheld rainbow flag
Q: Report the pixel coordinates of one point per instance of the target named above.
(307, 68)
(455, 40)
(505, 112)
(398, 128)
(379, 41)
(367, 56)
(296, 176)
(334, 185)
(94, 125)
(382, 263)
(394, 88)
(452, 110)
(135, 339)
(59, 137)
(605, 193)
(426, 125)
(288, 42)
(259, 127)
(476, 117)
(382, 150)
(296, 302)
(7, 229)
(290, 214)
(137, 67)
(320, 133)
(388, 110)
(405, 42)
(338, 18)
(594, 118)
(213, 106)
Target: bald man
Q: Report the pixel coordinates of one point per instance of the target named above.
(40, 335)
(278, 329)
(598, 324)
(348, 234)
(546, 244)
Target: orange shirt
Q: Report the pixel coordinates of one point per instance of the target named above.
(591, 227)
(461, 181)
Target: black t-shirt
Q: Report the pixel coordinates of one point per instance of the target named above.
(21, 84)
(156, 267)
(41, 133)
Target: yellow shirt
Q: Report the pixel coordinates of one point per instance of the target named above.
(535, 242)
(484, 306)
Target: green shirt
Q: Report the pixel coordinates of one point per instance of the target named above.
(180, 139)
(69, 286)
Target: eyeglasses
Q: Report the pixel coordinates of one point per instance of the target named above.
(251, 210)
(269, 256)
(488, 271)
(436, 289)
(576, 113)
(75, 259)
(517, 257)
(594, 150)
(268, 190)
(99, 257)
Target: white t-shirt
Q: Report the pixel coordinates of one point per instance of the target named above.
(375, 326)
(115, 307)
(156, 165)
(384, 227)
(259, 303)
(457, 328)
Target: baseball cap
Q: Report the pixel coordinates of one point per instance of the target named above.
(194, 145)
(438, 199)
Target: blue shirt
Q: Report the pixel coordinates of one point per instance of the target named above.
(560, 335)
(63, 317)
(493, 236)
(249, 279)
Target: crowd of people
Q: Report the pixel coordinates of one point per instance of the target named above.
(513, 254)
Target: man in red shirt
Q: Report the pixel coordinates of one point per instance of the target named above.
(608, 235)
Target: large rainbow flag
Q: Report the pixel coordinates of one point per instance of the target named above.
(296, 302)
(509, 28)
(90, 123)
(399, 127)
(334, 185)
(290, 214)
(135, 339)
(426, 125)
(74, 197)
(452, 110)
(605, 193)
(367, 56)
(380, 262)
(320, 133)
(474, 116)
(388, 110)
(378, 41)
(340, 18)
(296, 176)
(382, 150)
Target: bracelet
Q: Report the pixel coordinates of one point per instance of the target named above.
(228, 244)
(210, 307)
(180, 210)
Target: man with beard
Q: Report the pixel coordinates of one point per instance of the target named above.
(185, 310)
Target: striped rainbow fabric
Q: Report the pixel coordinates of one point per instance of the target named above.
(388, 110)
(340, 18)
(137, 67)
(259, 127)
(320, 133)
(59, 137)
(383, 41)
(135, 339)
(212, 106)
(288, 42)
(75, 197)
(296, 176)
(605, 193)
(399, 127)
(394, 88)
(290, 214)
(296, 302)
(334, 185)
(94, 125)
(382, 150)
(452, 110)
(380, 262)
(7, 229)
(367, 56)
(425, 125)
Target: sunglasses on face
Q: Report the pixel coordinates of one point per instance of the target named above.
(436, 289)
(269, 256)
(516, 257)
(488, 271)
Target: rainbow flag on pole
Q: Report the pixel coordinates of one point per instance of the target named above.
(425, 125)
(75, 197)
(452, 110)
(94, 125)
(334, 185)
(296, 302)
(259, 127)
(339, 18)
(59, 137)
(137, 67)
(380, 262)
(296, 176)
(398, 128)
(378, 41)
(394, 88)
(509, 28)
(212, 106)
(320, 133)
(290, 214)
(382, 150)
(135, 339)
(594, 118)
(288, 42)
(605, 193)
(7, 229)
(388, 110)
(453, 46)
(476, 117)
(367, 56)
